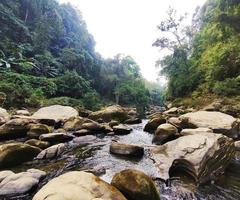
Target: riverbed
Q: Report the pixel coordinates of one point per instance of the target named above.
(91, 153)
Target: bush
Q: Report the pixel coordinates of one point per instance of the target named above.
(228, 87)
(65, 101)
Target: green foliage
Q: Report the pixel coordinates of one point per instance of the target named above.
(228, 87)
(211, 63)
(47, 56)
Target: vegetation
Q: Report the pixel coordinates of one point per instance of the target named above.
(47, 56)
(203, 58)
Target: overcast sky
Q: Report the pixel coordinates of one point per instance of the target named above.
(129, 26)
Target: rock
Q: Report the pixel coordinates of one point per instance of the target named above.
(56, 137)
(135, 185)
(4, 174)
(175, 121)
(132, 113)
(4, 116)
(93, 126)
(165, 133)
(202, 156)
(23, 112)
(38, 143)
(51, 152)
(84, 112)
(74, 124)
(83, 132)
(215, 106)
(133, 121)
(121, 129)
(237, 145)
(190, 131)
(107, 128)
(171, 111)
(113, 123)
(78, 185)
(126, 149)
(217, 121)
(115, 112)
(56, 112)
(233, 110)
(14, 128)
(19, 183)
(16, 153)
(152, 125)
(38, 129)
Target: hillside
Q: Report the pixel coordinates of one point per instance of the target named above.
(47, 57)
(204, 63)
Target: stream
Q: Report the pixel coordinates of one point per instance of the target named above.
(91, 153)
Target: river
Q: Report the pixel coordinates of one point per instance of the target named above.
(92, 153)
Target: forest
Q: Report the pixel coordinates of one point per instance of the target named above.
(204, 57)
(47, 57)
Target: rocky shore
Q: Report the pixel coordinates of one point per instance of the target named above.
(198, 143)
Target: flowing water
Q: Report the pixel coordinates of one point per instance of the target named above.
(92, 153)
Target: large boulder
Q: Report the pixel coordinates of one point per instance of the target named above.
(217, 121)
(4, 116)
(12, 184)
(135, 185)
(35, 130)
(202, 156)
(165, 133)
(115, 112)
(56, 137)
(14, 128)
(56, 113)
(121, 129)
(126, 149)
(52, 152)
(16, 153)
(152, 124)
(78, 185)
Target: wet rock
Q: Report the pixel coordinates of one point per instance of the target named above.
(78, 185)
(121, 129)
(152, 125)
(135, 185)
(56, 112)
(175, 121)
(14, 128)
(202, 156)
(4, 116)
(217, 121)
(107, 128)
(56, 137)
(165, 133)
(23, 112)
(133, 121)
(84, 112)
(12, 184)
(193, 131)
(38, 143)
(156, 115)
(38, 129)
(126, 149)
(16, 153)
(51, 152)
(115, 112)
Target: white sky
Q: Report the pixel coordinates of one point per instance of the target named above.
(129, 27)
